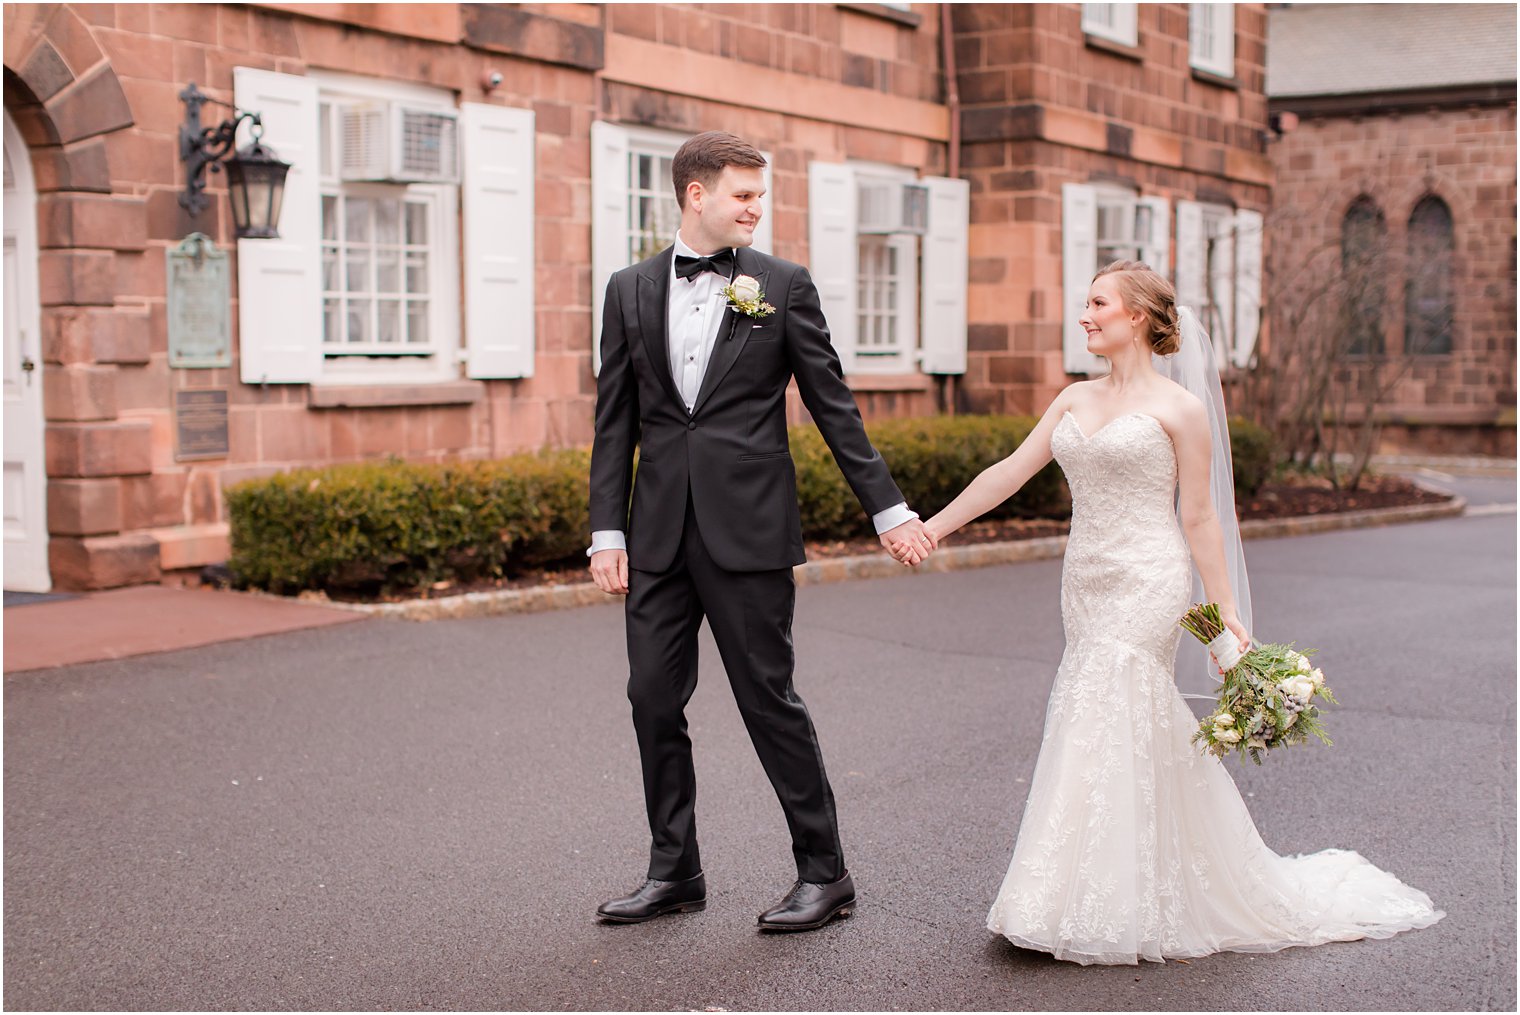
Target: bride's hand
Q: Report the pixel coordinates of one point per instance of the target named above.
(1232, 622)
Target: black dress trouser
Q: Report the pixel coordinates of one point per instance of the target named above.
(750, 614)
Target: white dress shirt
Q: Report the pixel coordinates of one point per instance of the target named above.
(692, 317)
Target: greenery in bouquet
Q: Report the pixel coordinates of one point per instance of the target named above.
(1269, 699)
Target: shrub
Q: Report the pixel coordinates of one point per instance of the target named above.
(931, 459)
(387, 527)
(1251, 454)
(390, 526)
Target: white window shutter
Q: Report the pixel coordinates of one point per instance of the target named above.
(835, 252)
(497, 183)
(1248, 237)
(765, 231)
(943, 296)
(609, 220)
(1079, 263)
(1192, 254)
(1156, 249)
(1222, 289)
(280, 281)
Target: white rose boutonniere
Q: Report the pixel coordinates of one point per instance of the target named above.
(745, 295)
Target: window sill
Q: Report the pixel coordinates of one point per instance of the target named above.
(888, 382)
(908, 18)
(1107, 45)
(374, 396)
(1209, 77)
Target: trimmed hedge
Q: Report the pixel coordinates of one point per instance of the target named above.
(393, 526)
(389, 527)
(932, 461)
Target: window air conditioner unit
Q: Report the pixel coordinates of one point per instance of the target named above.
(393, 142)
(892, 207)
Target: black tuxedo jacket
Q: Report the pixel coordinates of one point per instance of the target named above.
(730, 454)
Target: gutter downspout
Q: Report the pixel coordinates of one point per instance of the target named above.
(953, 159)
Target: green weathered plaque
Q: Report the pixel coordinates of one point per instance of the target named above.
(200, 304)
(200, 424)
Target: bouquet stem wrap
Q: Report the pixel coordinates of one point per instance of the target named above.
(1226, 650)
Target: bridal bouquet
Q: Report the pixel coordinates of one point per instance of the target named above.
(1267, 698)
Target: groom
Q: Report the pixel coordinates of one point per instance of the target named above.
(713, 529)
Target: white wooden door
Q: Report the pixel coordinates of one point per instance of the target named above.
(26, 555)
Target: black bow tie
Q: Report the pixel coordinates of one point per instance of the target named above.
(721, 263)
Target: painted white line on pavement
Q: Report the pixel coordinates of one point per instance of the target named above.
(1490, 509)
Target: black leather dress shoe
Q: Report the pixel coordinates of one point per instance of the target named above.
(809, 906)
(656, 898)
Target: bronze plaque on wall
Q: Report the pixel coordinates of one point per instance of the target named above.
(200, 424)
(200, 304)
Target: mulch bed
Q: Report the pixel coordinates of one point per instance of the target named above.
(1292, 497)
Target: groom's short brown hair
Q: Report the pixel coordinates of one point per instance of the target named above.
(704, 157)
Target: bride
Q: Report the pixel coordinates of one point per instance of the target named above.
(1134, 843)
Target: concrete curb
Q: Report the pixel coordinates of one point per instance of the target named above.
(821, 572)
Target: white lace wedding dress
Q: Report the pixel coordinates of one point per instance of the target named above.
(1135, 844)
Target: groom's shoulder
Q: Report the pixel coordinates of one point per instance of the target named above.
(648, 266)
(776, 266)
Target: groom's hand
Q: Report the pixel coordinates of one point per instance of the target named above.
(609, 569)
(910, 543)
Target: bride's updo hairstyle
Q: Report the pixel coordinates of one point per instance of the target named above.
(1144, 290)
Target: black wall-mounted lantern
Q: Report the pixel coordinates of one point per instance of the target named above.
(255, 174)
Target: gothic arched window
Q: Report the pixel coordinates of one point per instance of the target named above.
(1427, 285)
(1364, 273)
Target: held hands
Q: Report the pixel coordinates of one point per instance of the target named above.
(910, 543)
(609, 569)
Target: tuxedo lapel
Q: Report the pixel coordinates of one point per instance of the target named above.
(654, 317)
(733, 333)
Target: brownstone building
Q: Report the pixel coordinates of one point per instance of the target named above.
(1400, 174)
(465, 177)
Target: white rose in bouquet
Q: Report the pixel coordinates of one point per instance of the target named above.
(1228, 736)
(1224, 720)
(746, 289)
(1318, 676)
(1304, 666)
(1298, 687)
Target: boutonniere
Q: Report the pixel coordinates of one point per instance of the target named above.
(745, 295)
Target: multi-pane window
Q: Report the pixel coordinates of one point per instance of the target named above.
(879, 299)
(1364, 236)
(887, 220)
(1124, 225)
(377, 283)
(1115, 22)
(653, 213)
(389, 255)
(1212, 38)
(1427, 287)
